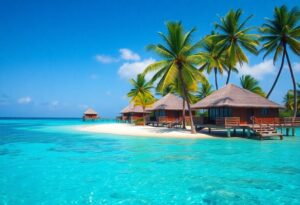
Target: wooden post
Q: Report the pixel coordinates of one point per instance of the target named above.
(228, 132)
(234, 131)
(248, 132)
(243, 132)
(287, 130)
(293, 131)
(209, 130)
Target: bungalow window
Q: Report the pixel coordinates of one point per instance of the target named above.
(219, 112)
(265, 111)
(161, 113)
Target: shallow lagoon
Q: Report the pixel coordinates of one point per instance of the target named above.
(46, 162)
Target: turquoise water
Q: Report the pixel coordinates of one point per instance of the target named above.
(46, 162)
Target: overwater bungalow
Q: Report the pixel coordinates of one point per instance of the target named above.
(90, 114)
(235, 107)
(132, 113)
(167, 109)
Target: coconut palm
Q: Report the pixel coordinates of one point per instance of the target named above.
(212, 60)
(251, 84)
(279, 34)
(289, 99)
(176, 89)
(141, 94)
(178, 62)
(205, 90)
(234, 38)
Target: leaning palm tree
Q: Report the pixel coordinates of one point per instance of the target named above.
(212, 60)
(141, 94)
(280, 33)
(251, 84)
(234, 38)
(178, 62)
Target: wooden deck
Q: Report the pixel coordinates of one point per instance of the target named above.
(262, 128)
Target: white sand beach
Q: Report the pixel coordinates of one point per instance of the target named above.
(147, 131)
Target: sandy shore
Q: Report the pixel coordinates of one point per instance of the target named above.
(147, 131)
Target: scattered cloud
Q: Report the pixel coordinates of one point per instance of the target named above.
(127, 54)
(108, 93)
(105, 59)
(93, 76)
(130, 70)
(258, 70)
(24, 100)
(296, 67)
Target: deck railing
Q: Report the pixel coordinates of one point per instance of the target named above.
(228, 122)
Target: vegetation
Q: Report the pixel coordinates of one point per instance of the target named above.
(289, 100)
(178, 62)
(251, 84)
(279, 34)
(211, 58)
(233, 39)
(205, 90)
(141, 94)
(182, 62)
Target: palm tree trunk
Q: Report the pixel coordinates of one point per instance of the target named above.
(216, 79)
(294, 82)
(183, 114)
(278, 74)
(185, 94)
(144, 116)
(228, 76)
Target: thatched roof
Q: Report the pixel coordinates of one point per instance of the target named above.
(90, 111)
(168, 102)
(132, 109)
(234, 96)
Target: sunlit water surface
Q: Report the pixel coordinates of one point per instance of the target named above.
(48, 162)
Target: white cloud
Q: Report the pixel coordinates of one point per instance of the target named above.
(296, 67)
(105, 59)
(24, 100)
(258, 70)
(127, 54)
(130, 70)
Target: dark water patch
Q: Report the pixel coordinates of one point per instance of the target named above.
(12, 152)
(175, 158)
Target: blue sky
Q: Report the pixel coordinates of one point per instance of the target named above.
(59, 57)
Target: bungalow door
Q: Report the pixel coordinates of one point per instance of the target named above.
(249, 114)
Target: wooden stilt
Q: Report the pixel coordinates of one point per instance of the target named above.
(209, 130)
(228, 133)
(234, 131)
(287, 131)
(243, 132)
(293, 131)
(248, 132)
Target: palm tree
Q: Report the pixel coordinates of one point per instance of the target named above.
(212, 60)
(178, 62)
(205, 90)
(233, 38)
(141, 94)
(176, 88)
(289, 99)
(281, 32)
(251, 84)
